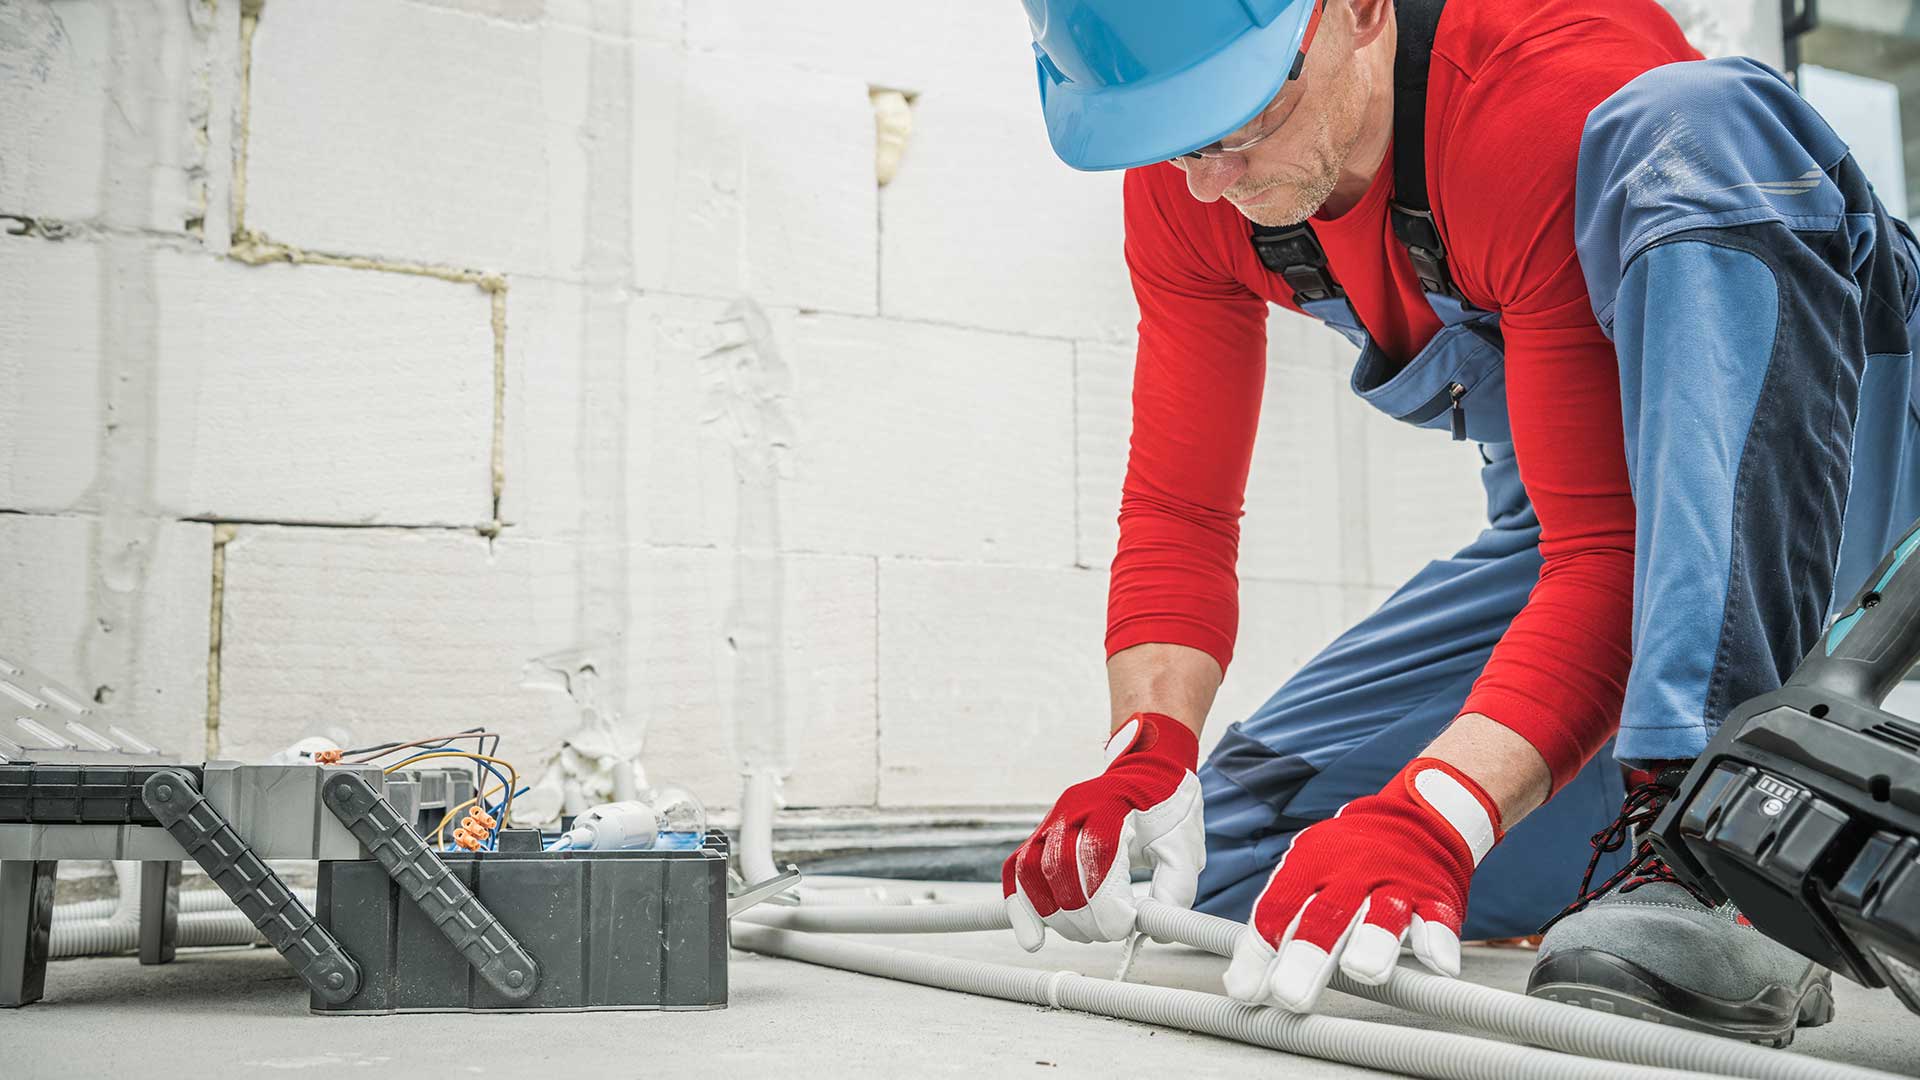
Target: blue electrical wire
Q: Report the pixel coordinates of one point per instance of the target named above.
(493, 811)
(498, 811)
(487, 765)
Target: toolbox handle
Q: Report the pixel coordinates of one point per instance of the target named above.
(1875, 641)
(460, 916)
(251, 884)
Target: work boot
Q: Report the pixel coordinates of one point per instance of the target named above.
(1646, 945)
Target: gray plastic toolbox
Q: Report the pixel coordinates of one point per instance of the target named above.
(607, 929)
(400, 927)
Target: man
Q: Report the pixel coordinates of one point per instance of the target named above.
(1658, 293)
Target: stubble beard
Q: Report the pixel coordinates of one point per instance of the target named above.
(1308, 192)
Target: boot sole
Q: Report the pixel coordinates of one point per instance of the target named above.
(1591, 979)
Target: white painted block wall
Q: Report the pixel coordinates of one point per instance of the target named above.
(398, 344)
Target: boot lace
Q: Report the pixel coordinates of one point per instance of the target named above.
(1643, 805)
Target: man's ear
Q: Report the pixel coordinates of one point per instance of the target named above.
(1370, 19)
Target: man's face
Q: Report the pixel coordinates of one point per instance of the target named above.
(1285, 177)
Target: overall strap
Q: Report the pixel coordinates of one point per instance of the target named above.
(1293, 252)
(1412, 213)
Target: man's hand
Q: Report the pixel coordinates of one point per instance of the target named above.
(1386, 868)
(1073, 873)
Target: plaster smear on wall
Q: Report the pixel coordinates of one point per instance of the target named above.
(66, 72)
(122, 539)
(599, 758)
(35, 50)
(748, 387)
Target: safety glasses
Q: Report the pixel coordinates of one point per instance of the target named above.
(1274, 116)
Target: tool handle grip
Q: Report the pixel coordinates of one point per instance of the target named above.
(252, 885)
(1875, 640)
(466, 923)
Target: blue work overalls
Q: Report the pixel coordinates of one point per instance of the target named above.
(1761, 304)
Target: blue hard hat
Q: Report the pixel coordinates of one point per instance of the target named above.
(1131, 82)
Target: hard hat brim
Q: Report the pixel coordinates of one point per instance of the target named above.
(1120, 127)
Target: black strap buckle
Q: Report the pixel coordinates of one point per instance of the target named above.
(1295, 254)
(1425, 250)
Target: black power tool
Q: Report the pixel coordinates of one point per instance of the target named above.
(1805, 808)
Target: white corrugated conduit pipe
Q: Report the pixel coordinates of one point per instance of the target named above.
(759, 799)
(192, 902)
(95, 934)
(110, 927)
(1636, 1045)
(1405, 1051)
(759, 796)
(108, 938)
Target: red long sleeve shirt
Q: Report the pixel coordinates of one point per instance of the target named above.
(1510, 87)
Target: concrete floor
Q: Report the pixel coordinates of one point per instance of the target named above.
(239, 1011)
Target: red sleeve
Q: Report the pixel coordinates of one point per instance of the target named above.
(1558, 675)
(1196, 405)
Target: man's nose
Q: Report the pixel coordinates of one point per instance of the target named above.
(1209, 176)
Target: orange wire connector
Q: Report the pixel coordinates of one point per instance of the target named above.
(474, 829)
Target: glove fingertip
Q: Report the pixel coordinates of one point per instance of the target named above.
(1446, 951)
(1246, 975)
(1028, 931)
(1299, 975)
(1370, 954)
(1436, 946)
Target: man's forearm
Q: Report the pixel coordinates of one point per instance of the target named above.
(1174, 680)
(1180, 682)
(1505, 765)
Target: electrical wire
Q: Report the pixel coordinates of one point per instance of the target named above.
(462, 754)
(365, 754)
(511, 780)
(453, 813)
(387, 747)
(417, 758)
(496, 810)
(494, 751)
(368, 754)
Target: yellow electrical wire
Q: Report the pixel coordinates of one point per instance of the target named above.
(513, 774)
(451, 814)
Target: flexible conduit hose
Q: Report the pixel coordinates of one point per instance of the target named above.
(93, 910)
(1517, 1016)
(1408, 1051)
(192, 902)
(889, 919)
(207, 917)
(121, 918)
(1578, 1031)
(106, 937)
(758, 797)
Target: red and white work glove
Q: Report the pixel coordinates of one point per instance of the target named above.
(1073, 873)
(1386, 868)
